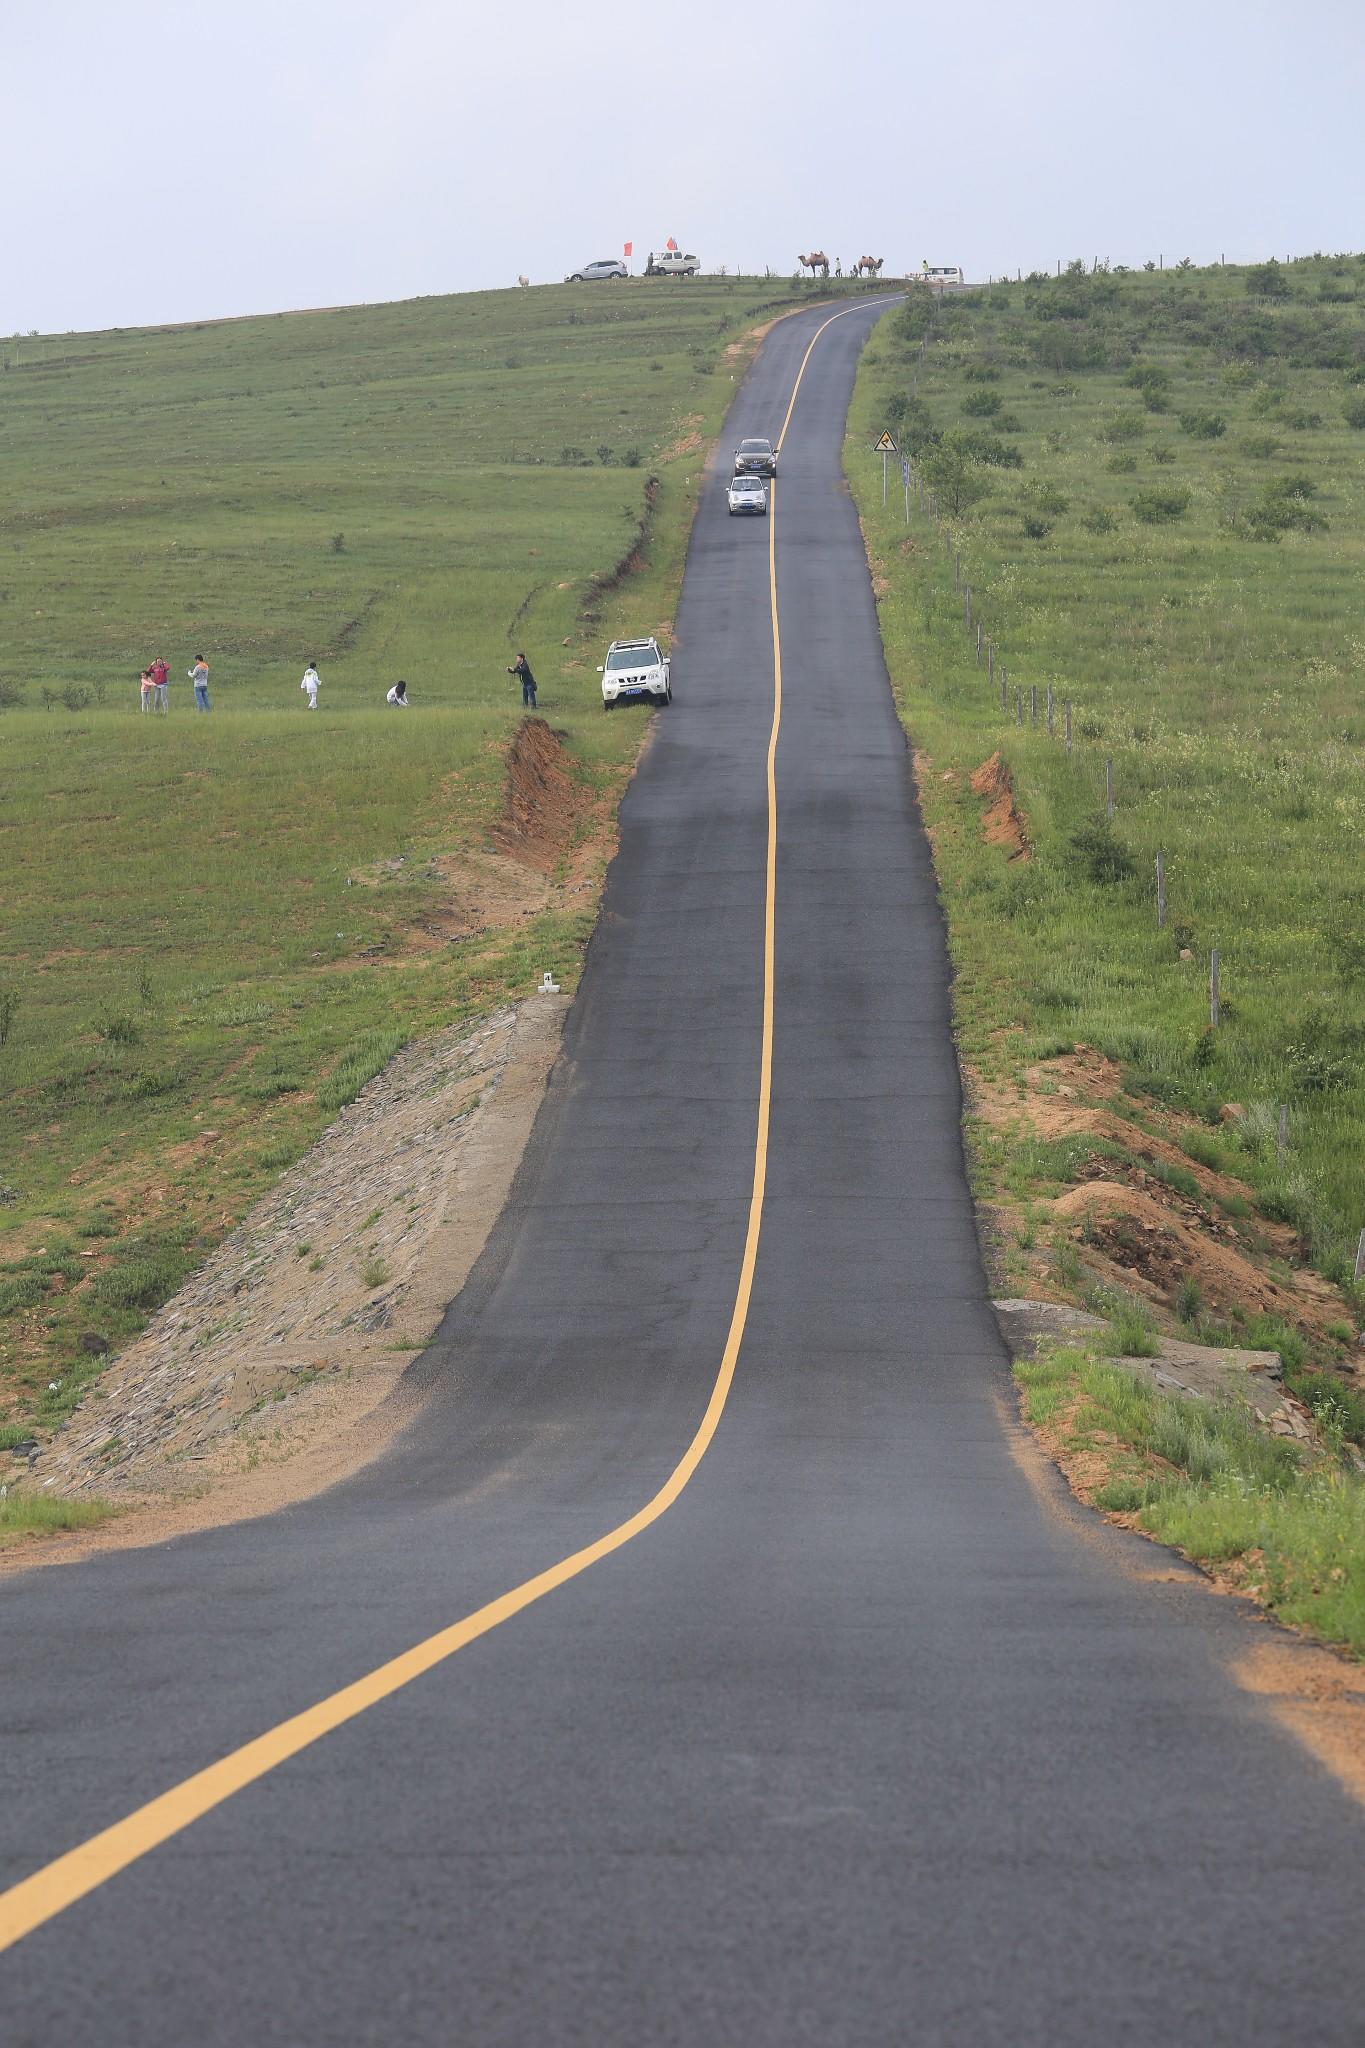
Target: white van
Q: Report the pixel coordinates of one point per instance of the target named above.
(941, 274)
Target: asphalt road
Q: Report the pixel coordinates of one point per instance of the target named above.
(866, 1739)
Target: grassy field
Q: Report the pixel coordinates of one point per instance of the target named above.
(190, 987)
(1154, 483)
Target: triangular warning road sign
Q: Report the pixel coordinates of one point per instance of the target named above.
(886, 446)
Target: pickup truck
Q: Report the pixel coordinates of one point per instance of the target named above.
(672, 263)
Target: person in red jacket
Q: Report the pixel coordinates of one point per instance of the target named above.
(158, 673)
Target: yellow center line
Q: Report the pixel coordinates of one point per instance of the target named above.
(83, 1869)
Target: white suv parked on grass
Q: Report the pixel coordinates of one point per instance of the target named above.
(635, 668)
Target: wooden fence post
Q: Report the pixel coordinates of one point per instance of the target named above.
(1018, 707)
(1049, 711)
(978, 643)
(1004, 688)
(1033, 703)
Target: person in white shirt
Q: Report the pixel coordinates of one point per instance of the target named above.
(398, 694)
(310, 684)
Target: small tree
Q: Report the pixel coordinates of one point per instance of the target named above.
(1267, 281)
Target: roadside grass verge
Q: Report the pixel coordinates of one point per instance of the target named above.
(1214, 654)
(1284, 1525)
(218, 928)
(41, 1515)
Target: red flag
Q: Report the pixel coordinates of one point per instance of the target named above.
(670, 243)
(629, 249)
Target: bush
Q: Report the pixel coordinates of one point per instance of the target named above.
(1155, 508)
(118, 1030)
(1048, 499)
(1034, 527)
(1162, 456)
(1121, 465)
(1260, 447)
(1267, 281)
(1123, 426)
(1204, 426)
(1099, 520)
(76, 697)
(1354, 413)
(982, 405)
(10, 695)
(1147, 377)
(1101, 855)
(1282, 506)
(990, 449)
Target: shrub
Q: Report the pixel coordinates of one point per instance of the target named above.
(1034, 527)
(10, 695)
(1147, 377)
(1009, 423)
(1260, 447)
(1130, 1331)
(990, 449)
(1162, 456)
(1121, 465)
(1123, 426)
(1354, 413)
(1099, 520)
(982, 405)
(1267, 281)
(1047, 498)
(76, 697)
(981, 373)
(1204, 426)
(1282, 506)
(1101, 855)
(1155, 508)
(118, 1030)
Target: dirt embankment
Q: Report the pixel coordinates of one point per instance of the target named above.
(277, 1367)
(1001, 824)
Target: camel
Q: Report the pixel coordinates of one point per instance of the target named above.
(871, 264)
(817, 260)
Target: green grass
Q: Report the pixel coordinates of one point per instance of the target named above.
(1202, 1477)
(193, 981)
(40, 1515)
(1217, 657)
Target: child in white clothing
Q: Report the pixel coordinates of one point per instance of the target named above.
(311, 680)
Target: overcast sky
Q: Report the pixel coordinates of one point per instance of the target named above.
(166, 159)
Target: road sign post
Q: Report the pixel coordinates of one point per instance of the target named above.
(886, 448)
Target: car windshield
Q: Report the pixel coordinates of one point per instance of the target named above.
(631, 657)
(752, 484)
(755, 447)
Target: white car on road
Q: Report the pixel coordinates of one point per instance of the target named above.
(747, 494)
(632, 669)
